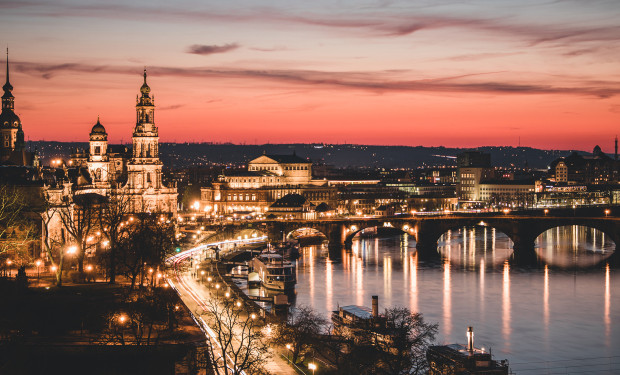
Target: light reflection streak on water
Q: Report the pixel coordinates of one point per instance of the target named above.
(546, 302)
(413, 260)
(312, 262)
(607, 317)
(485, 242)
(329, 294)
(482, 295)
(387, 275)
(447, 299)
(377, 253)
(506, 323)
(359, 281)
(493, 245)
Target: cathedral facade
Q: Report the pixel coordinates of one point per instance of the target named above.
(136, 172)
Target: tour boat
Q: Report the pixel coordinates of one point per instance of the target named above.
(274, 272)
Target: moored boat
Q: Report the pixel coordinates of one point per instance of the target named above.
(274, 272)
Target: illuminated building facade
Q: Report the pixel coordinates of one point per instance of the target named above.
(136, 173)
(267, 179)
(594, 169)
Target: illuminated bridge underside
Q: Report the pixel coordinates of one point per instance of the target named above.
(522, 230)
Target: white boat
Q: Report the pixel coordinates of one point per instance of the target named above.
(274, 272)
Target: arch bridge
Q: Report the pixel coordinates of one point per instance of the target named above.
(521, 229)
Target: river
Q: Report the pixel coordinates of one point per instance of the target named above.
(558, 316)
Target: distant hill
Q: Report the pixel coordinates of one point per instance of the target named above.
(178, 155)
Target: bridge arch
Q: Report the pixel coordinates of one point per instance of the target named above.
(305, 232)
(428, 233)
(575, 245)
(475, 246)
(355, 229)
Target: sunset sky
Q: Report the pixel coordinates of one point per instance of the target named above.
(452, 73)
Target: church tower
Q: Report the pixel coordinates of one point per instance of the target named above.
(98, 164)
(10, 125)
(144, 170)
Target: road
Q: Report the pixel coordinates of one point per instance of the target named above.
(194, 294)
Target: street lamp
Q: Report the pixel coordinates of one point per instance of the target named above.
(38, 264)
(288, 351)
(312, 366)
(546, 211)
(217, 288)
(607, 212)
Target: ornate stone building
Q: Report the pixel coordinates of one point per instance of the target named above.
(267, 179)
(136, 173)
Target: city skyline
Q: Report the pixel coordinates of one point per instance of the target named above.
(389, 73)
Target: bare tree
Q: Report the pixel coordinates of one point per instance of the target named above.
(16, 231)
(402, 342)
(239, 344)
(145, 239)
(144, 319)
(79, 219)
(114, 212)
(53, 244)
(302, 326)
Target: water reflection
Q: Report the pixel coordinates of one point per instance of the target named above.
(606, 316)
(574, 246)
(529, 315)
(469, 246)
(506, 323)
(447, 299)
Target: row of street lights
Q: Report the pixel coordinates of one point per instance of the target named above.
(311, 366)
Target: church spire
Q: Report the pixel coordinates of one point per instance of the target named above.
(7, 66)
(7, 97)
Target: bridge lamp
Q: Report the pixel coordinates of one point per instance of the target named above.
(546, 211)
(607, 212)
(353, 228)
(506, 210)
